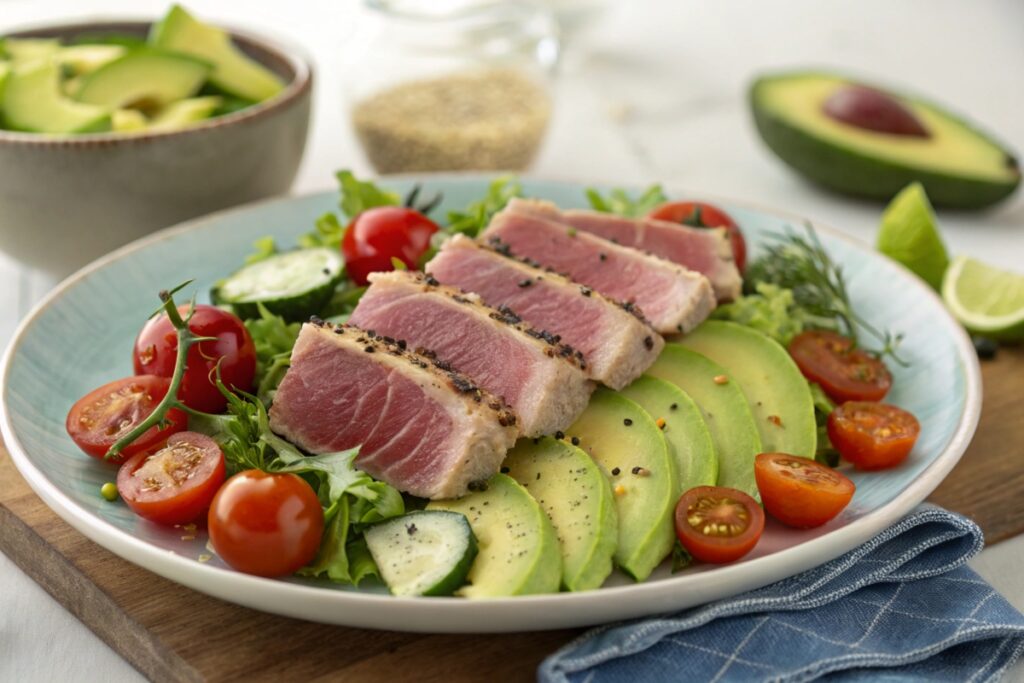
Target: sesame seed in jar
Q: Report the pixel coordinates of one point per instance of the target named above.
(491, 119)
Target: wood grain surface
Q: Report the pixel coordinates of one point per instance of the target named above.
(171, 633)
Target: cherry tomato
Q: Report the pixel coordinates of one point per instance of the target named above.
(379, 234)
(717, 524)
(266, 524)
(176, 484)
(799, 491)
(844, 372)
(104, 415)
(156, 350)
(701, 215)
(872, 436)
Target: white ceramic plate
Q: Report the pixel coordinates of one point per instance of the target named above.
(81, 336)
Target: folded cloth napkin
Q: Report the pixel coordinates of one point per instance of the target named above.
(902, 607)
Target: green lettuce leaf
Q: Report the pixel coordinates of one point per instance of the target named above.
(619, 202)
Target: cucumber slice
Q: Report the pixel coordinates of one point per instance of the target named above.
(294, 284)
(428, 552)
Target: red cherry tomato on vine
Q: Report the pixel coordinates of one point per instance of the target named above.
(800, 492)
(701, 215)
(176, 484)
(872, 436)
(718, 524)
(266, 524)
(156, 350)
(101, 417)
(844, 372)
(382, 233)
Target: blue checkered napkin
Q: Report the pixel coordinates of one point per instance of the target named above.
(902, 607)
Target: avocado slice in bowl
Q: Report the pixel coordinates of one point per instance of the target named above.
(867, 141)
(145, 78)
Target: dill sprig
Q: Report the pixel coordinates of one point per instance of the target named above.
(800, 263)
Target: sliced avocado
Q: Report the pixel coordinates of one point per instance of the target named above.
(626, 442)
(128, 120)
(184, 113)
(576, 496)
(78, 60)
(517, 548)
(144, 79)
(684, 429)
(779, 396)
(958, 165)
(32, 102)
(5, 70)
(21, 51)
(233, 72)
(725, 411)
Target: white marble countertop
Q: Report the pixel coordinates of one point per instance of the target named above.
(655, 91)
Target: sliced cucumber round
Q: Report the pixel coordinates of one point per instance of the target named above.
(428, 552)
(294, 284)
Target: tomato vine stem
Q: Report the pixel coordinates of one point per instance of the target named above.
(186, 339)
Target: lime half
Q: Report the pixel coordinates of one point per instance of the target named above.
(986, 300)
(909, 235)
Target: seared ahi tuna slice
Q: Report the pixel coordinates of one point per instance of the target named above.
(423, 429)
(707, 252)
(538, 377)
(671, 297)
(618, 345)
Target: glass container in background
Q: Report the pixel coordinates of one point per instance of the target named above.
(451, 86)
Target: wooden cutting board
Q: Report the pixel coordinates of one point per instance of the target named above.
(171, 633)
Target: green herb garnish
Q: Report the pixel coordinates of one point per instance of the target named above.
(801, 264)
(619, 202)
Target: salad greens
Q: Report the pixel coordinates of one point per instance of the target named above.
(801, 264)
(619, 202)
(771, 310)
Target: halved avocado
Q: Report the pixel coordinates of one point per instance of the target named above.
(576, 496)
(233, 72)
(145, 79)
(184, 113)
(32, 102)
(621, 437)
(778, 395)
(958, 165)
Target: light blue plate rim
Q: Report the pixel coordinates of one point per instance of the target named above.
(562, 610)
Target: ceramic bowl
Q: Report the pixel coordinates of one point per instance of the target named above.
(65, 200)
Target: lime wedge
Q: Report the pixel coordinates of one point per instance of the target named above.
(909, 235)
(984, 299)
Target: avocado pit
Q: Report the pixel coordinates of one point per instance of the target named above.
(871, 109)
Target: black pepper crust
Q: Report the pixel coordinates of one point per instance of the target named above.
(504, 315)
(496, 245)
(424, 360)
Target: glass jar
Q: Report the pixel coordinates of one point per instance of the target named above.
(451, 86)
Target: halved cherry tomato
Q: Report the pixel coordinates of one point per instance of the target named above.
(104, 415)
(379, 234)
(717, 524)
(799, 491)
(176, 484)
(266, 524)
(844, 372)
(156, 350)
(872, 436)
(701, 215)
